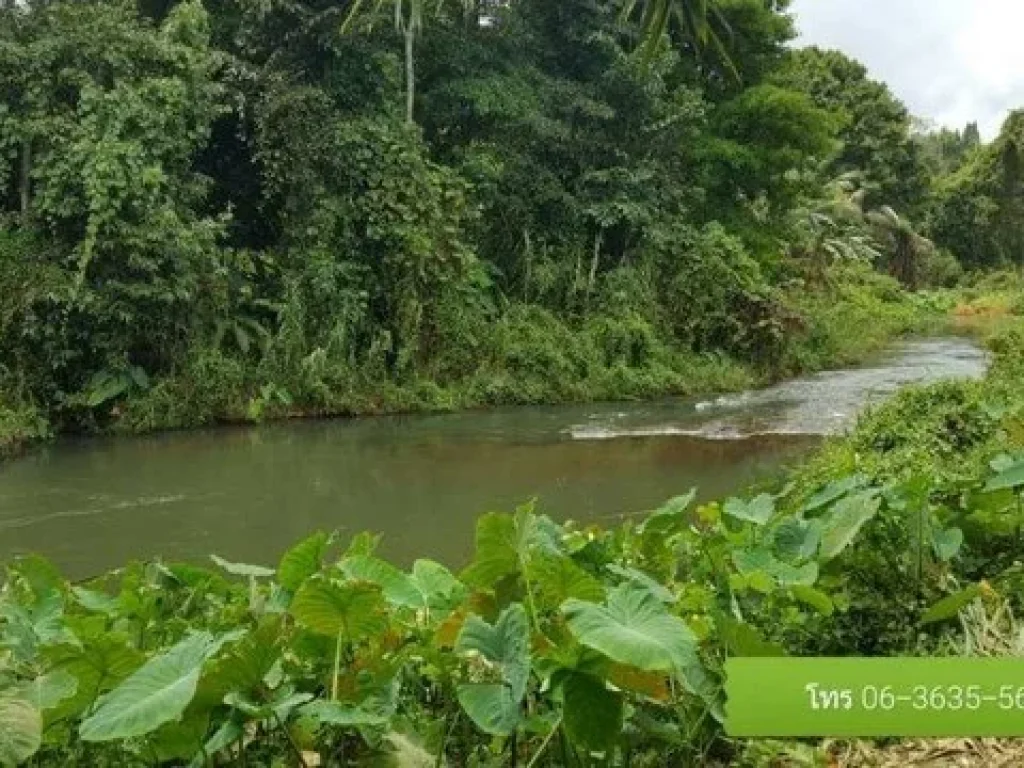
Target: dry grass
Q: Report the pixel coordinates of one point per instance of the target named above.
(989, 629)
(931, 753)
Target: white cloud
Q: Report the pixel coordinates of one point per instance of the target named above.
(950, 61)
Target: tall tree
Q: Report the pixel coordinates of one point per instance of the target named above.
(877, 132)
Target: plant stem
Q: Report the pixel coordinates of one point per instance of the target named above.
(291, 741)
(410, 70)
(337, 665)
(544, 744)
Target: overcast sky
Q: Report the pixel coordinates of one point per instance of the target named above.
(950, 61)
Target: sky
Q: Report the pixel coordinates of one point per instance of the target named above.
(949, 61)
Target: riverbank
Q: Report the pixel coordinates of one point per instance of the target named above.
(872, 548)
(529, 357)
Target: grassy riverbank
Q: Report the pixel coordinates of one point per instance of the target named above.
(528, 357)
(557, 645)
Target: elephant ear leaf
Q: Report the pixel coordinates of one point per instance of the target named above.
(633, 627)
(844, 523)
(399, 589)
(302, 561)
(21, 730)
(500, 652)
(155, 694)
(757, 511)
(354, 610)
(1010, 475)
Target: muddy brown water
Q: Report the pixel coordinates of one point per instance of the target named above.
(420, 481)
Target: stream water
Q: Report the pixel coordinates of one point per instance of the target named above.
(248, 493)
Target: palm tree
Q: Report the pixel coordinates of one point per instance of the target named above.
(907, 249)
(698, 19)
(701, 22)
(833, 228)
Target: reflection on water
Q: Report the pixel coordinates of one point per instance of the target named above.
(421, 481)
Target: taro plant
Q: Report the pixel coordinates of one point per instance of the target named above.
(556, 645)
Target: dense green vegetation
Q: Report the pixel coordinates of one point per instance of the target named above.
(238, 211)
(556, 645)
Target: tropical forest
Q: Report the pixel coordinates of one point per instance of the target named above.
(465, 382)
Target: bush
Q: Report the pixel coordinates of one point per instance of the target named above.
(209, 387)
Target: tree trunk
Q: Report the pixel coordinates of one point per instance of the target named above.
(410, 71)
(594, 261)
(24, 183)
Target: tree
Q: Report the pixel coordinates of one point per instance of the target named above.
(905, 248)
(978, 211)
(408, 15)
(877, 132)
(114, 110)
(944, 151)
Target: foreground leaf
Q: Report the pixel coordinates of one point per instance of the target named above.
(21, 730)
(352, 610)
(593, 714)
(302, 561)
(949, 607)
(242, 569)
(49, 690)
(157, 693)
(669, 516)
(784, 574)
(1011, 476)
(502, 650)
(340, 714)
(398, 587)
(634, 628)
(845, 522)
(757, 511)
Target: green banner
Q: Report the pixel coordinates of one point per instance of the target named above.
(854, 697)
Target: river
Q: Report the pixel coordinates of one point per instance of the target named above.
(248, 493)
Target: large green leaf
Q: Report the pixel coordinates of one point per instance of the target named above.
(670, 516)
(947, 543)
(506, 543)
(741, 639)
(757, 511)
(834, 491)
(633, 628)
(245, 666)
(496, 555)
(155, 694)
(21, 730)
(641, 579)
(353, 610)
(761, 560)
(442, 591)
(815, 598)
(98, 666)
(243, 569)
(27, 629)
(302, 561)
(593, 713)
(558, 578)
(950, 606)
(97, 602)
(502, 654)
(340, 714)
(398, 587)
(796, 539)
(1011, 476)
(49, 690)
(845, 521)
